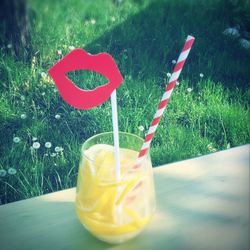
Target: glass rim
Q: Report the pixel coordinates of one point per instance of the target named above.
(103, 134)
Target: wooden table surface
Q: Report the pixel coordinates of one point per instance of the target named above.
(202, 203)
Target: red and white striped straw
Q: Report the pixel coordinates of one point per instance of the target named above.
(165, 98)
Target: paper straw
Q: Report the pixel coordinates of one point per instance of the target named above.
(165, 98)
(116, 135)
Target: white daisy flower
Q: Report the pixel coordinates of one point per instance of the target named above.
(141, 128)
(71, 47)
(58, 149)
(48, 144)
(113, 19)
(211, 148)
(57, 116)
(201, 75)
(9, 46)
(233, 32)
(53, 154)
(2, 172)
(23, 116)
(12, 171)
(59, 52)
(22, 98)
(16, 139)
(244, 43)
(173, 61)
(189, 90)
(43, 75)
(93, 21)
(36, 145)
(43, 93)
(168, 74)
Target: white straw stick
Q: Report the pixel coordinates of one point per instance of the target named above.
(116, 135)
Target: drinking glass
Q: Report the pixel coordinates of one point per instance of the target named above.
(114, 208)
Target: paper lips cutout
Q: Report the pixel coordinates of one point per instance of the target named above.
(79, 59)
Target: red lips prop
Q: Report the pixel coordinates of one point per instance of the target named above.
(79, 59)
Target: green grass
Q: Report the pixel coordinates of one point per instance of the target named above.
(144, 38)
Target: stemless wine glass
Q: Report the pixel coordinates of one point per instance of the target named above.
(114, 210)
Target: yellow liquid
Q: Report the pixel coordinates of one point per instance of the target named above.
(114, 211)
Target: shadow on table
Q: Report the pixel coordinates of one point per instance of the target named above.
(204, 211)
(195, 191)
(50, 223)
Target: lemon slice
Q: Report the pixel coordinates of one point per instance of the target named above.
(101, 228)
(106, 162)
(108, 206)
(128, 188)
(137, 220)
(100, 158)
(109, 184)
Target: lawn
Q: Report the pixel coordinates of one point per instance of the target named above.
(208, 110)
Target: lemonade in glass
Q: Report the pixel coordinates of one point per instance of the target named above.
(114, 210)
